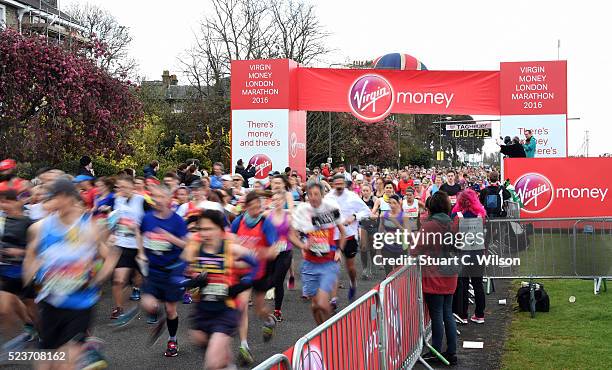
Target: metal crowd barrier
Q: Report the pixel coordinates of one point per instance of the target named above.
(276, 362)
(384, 329)
(550, 248)
(348, 340)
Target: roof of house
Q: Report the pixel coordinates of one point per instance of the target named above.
(46, 7)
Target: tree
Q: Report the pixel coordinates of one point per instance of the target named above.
(55, 104)
(104, 28)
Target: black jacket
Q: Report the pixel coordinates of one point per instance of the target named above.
(513, 150)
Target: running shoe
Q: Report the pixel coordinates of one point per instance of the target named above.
(268, 328)
(126, 317)
(477, 320)
(135, 294)
(291, 283)
(334, 303)
(152, 319)
(117, 311)
(157, 330)
(351, 293)
(187, 298)
(278, 315)
(245, 357)
(31, 331)
(92, 359)
(171, 349)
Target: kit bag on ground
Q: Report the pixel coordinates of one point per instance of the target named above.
(541, 297)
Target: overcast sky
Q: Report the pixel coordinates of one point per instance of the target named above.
(445, 35)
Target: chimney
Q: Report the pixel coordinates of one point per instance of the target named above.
(173, 80)
(166, 79)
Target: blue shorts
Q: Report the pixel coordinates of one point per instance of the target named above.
(210, 322)
(162, 289)
(317, 276)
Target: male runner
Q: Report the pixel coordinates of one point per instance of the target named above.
(317, 219)
(161, 242)
(450, 187)
(16, 300)
(352, 209)
(258, 234)
(63, 257)
(130, 209)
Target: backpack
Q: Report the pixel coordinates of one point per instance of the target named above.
(493, 202)
(542, 303)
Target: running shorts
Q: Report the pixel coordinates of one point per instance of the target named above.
(317, 276)
(210, 322)
(61, 325)
(15, 286)
(350, 248)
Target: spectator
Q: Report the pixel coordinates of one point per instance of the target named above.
(191, 175)
(529, 144)
(181, 172)
(493, 196)
(215, 179)
(246, 173)
(196, 163)
(325, 170)
(512, 148)
(151, 169)
(86, 167)
(468, 206)
(438, 288)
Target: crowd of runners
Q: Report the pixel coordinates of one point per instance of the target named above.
(220, 242)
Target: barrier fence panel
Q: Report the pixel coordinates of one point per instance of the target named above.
(276, 362)
(348, 340)
(401, 329)
(549, 248)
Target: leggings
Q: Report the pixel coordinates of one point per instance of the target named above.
(281, 266)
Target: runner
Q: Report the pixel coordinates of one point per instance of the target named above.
(62, 256)
(258, 234)
(352, 209)
(382, 203)
(17, 307)
(161, 243)
(317, 219)
(367, 227)
(216, 317)
(281, 219)
(450, 187)
(129, 209)
(393, 219)
(410, 205)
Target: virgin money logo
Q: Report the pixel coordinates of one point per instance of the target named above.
(263, 165)
(536, 192)
(294, 145)
(371, 98)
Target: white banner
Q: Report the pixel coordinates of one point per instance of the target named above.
(467, 126)
(549, 130)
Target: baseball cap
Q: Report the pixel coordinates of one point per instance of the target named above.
(196, 184)
(359, 177)
(63, 186)
(226, 178)
(8, 164)
(81, 178)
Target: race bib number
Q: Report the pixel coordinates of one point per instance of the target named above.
(65, 280)
(453, 199)
(124, 228)
(412, 212)
(282, 245)
(319, 242)
(156, 242)
(214, 292)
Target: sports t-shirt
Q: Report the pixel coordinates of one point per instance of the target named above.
(14, 234)
(318, 225)
(262, 235)
(452, 191)
(411, 210)
(162, 254)
(130, 213)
